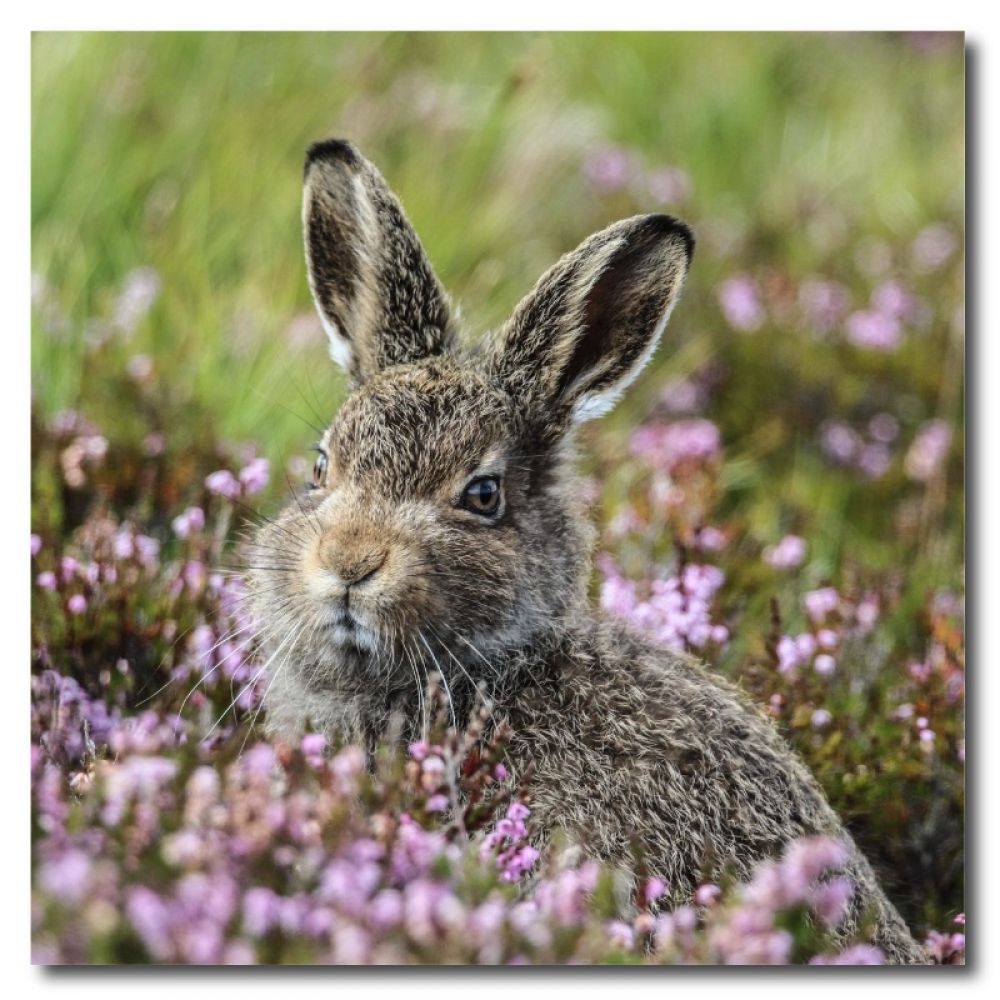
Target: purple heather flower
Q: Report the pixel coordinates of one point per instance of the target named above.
(856, 954)
(873, 329)
(669, 185)
(188, 523)
(314, 748)
(789, 553)
(884, 428)
(46, 580)
(839, 442)
(665, 446)
(36, 544)
(223, 483)
(823, 303)
(620, 935)
(68, 876)
(821, 718)
(608, 169)
(825, 665)
(933, 247)
(655, 888)
(261, 910)
(140, 367)
(741, 305)
(874, 460)
(254, 476)
(77, 604)
(820, 603)
(419, 750)
(437, 804)
(928, 451)
(707, 894)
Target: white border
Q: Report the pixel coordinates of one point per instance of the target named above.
(20, 18)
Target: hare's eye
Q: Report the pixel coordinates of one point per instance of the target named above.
(482, 496)
(319, 470)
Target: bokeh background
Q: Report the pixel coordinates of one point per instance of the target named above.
(800, 429)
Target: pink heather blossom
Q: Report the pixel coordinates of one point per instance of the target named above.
(857, 954)
(419, 750)
(805, 645)
(707, 894)
(77, 604)
(928, 451)
(500, 772)
(223, 483)
(933, 247)
(789, 553)
(683, 395)
(892, 298)
(46, 580)
(665, 446)
(609, 169)
(874, 460)
(789, 657)
(655, 888)
(825, 665)
(875, 330)
(711, 540)
(884, 428)
(189, 523)
(254, 476)
(839, 442)
(866, 612)
(154, 444)
(823, 303)
(820, 603)
(140, 367)
(741, 305)
(821, 718)
(36, 544)
(313, 748)
(669, 185)
(620, 934)
(827, 638)
(68, 876)
(437, 804)
(945, 948)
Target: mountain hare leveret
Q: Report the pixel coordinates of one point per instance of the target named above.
(445, 531)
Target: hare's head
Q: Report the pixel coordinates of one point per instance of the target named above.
(444, 525)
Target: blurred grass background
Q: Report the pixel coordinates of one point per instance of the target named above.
(177, 158)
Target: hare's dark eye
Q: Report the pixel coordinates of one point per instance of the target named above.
(319, 470)
(482, 496)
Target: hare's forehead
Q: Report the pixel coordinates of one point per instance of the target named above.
(413, 428)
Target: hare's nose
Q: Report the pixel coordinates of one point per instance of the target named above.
(352, 568)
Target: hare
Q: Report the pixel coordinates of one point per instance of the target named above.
(445, 530)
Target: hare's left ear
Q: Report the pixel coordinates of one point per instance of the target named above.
(592, 322)
(378, 298)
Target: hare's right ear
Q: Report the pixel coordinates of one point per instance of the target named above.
(593, 320)
(378, 298)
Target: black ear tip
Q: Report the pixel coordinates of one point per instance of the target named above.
(667, 225)
(332, 151)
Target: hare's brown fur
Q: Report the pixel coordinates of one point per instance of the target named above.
(382, 573)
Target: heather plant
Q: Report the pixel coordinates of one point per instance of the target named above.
(781, 495)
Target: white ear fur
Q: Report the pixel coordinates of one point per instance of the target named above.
(341, 350)
(596, 404)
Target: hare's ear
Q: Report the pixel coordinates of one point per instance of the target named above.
(379, 300)
(591, 323)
